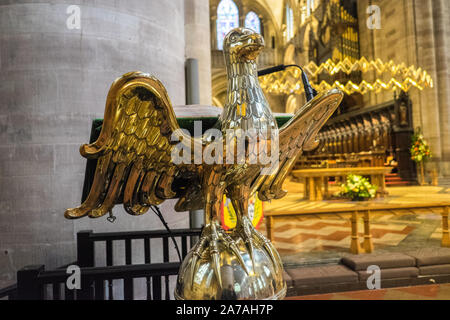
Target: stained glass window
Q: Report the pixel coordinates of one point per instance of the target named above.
(310, 5)
(252, 22)
(227, 19)
(303, 11)
(289, 23)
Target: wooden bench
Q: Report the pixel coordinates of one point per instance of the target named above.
(364, 209)
(316, 180)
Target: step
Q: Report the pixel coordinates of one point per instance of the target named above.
(396, 270)
(402, 183)
(393, 178)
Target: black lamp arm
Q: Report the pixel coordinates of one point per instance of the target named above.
(310, 92)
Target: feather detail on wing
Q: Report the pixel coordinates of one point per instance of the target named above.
(296, 135)
(134, 149)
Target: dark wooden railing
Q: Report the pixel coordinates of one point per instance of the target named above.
(98, 282)
(34, 283)
(9, 293)
(86, 244)
(86, 249)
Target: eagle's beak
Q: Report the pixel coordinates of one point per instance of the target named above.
(251, 46)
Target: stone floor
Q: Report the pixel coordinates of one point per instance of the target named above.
(426, 292)
(317, 239)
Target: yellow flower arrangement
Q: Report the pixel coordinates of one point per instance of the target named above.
(358, 188)
(420, 150)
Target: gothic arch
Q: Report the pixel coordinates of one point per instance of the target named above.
(252, 21)
(269, 25)
(227, 18)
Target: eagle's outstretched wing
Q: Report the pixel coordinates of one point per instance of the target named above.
(296, 135)
(133, 150)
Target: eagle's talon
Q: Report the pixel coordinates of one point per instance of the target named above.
(233, 247)
(250, 235)
(209, 238)
(245, 229)
(196, 254)
(215, 253)
(267, 245)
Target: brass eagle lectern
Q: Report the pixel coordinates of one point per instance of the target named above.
(143, 159)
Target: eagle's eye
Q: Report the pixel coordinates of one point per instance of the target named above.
(234, 37)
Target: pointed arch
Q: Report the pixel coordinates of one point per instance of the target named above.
(289, 16)
(227, 19)
(253, 22)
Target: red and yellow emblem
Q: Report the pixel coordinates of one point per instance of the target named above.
(228, 215)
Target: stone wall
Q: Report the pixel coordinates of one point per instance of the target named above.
(53, 83)
(417, 33)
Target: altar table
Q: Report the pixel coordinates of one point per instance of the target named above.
(316, 180)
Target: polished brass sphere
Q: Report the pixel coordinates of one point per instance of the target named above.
(263, 279)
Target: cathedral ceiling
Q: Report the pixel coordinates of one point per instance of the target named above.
(276, 6)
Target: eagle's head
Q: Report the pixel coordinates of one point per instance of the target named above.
(243, 44)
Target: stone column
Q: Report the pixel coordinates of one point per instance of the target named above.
(198, 39)
(441, 19)
(426, 58)
(415, 32)
(53, 82)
